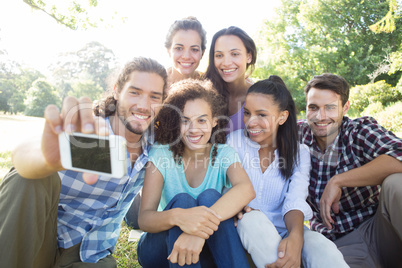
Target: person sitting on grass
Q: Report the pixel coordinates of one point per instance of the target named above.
(356, 177)
(272, 228)
(50, 217)
(186, 219)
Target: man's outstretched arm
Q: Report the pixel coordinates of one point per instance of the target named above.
(40, 157)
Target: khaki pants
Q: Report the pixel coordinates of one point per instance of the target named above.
(378, 241)
(28, 225)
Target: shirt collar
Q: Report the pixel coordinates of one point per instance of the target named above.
(334, 146)
(147, 139)
(254, 145)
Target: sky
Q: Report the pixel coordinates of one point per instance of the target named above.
(35, 39)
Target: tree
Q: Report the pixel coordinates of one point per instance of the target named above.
(16, 101)
(7, 69)
(310, 37)
(387, 23)
(97, 61)
(86, 88)
(14, 83)
(72, 14)
(93, 62)
(378, 92)
(39, 96)
(6, 92)
(23, 81)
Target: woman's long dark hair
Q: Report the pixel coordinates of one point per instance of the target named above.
(287, 136)
(212, 73)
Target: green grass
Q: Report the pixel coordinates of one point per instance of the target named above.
(5, 163)
(125, 252)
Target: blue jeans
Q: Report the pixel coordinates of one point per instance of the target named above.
(222, 249)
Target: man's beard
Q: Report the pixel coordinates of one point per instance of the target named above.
(138, 131)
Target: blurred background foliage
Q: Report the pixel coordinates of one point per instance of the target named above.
(357, 39)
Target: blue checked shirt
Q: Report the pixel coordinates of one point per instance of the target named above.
(359, 141)
(92, 214)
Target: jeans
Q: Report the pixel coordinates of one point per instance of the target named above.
(261, 239)
(222, 249)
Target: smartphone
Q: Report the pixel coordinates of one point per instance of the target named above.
(102, 155)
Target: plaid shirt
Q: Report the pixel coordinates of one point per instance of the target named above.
(92, 214)
(358, 142)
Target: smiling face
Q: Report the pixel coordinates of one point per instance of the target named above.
(139, 100)
(262, 118)
(324, 114)
(231, 58)
(186, 52)
(196, 124)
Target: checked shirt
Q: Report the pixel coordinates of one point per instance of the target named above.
(358, 142)
(92, 214)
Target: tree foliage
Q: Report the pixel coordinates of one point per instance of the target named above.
(311, 37)
(14, 84)
(79, 73)
(90, 65)
(86, 88)
(378, 92)
(395, 62)
(387, 23)
(40, 95)
(72, 14)
(390, 117)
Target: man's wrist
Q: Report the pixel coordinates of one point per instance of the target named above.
(336, 181)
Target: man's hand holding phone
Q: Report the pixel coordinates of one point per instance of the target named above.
(38, 158)
(76, 116)
(100, 155)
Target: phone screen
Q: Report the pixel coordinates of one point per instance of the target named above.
(92, 154)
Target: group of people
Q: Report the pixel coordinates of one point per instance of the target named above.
(225, 169)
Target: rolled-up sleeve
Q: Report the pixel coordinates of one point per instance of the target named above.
(295, 197)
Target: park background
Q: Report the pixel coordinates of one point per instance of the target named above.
(50, 49)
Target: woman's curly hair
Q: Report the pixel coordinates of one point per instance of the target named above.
(170, 115)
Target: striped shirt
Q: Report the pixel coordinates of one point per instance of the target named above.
(359, 141)
(92, 214)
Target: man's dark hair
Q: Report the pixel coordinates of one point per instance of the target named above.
(331, 82)
(107, 106)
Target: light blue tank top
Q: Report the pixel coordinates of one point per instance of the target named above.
(175, 181)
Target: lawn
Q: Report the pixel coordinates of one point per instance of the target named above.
(13, 130)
